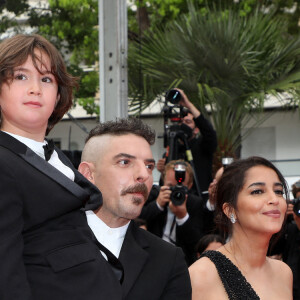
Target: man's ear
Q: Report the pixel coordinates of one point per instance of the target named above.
(86, 169)
(190, 185)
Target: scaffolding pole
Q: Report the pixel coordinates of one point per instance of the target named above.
(113, 59)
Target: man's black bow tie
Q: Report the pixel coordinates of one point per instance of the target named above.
(48, 149)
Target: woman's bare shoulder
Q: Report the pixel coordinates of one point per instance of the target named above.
(204, 276)
(279, 280)
(283, 271)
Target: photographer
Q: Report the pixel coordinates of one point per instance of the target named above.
(296, 194)
(291, 251)
(287, 247)
(203, 143)
(178, 223)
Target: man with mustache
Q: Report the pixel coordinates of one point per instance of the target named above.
(118, 159)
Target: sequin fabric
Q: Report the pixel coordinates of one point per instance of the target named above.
(235, 284)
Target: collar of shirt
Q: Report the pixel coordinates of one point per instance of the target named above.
(37, 147)
(111, 238)
(169, 233)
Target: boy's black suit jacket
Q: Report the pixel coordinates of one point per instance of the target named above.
(46, 247)
(154, 269)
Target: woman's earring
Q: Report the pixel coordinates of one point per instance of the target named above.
(232, 218)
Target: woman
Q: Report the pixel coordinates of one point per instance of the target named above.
(252, 207)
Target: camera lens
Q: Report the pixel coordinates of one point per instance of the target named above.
(173, 96)
(177, 197)
(178, 193)
(297, 207)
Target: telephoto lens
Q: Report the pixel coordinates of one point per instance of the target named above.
(173, 96)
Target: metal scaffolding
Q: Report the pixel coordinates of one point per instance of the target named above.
(113, 59)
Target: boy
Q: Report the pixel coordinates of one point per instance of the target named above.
(46, 250)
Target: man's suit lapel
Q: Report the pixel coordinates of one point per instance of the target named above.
(40, 164)
(132, 256)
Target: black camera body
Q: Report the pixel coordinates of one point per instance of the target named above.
(296, 208)
(179, 191)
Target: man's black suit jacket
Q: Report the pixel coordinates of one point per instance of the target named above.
(46, 247)
(188, 234)
(154, 269)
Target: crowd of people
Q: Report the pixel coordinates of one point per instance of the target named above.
(104, 231)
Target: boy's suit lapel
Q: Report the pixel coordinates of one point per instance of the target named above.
(53, 173)
(95, 199)
(40, 164)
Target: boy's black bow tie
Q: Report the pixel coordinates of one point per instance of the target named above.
(48, 149)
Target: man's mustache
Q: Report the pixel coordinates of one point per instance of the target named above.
(137, 188)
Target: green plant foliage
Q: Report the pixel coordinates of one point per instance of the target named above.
(160, 12)
(15, 6)
(72, 26)
(9, 10)
(226, 63)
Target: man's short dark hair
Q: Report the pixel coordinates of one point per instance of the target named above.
(296, 188)
(123, 127)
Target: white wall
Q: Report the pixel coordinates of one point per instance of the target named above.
(278, 138)
(67, 132)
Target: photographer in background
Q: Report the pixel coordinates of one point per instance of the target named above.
(287, 248)
(178, 222)
(203, 143)
(291, 250)
(296, 195)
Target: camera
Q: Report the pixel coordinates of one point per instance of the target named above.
(174, 112)
(179, 191)
(173, 96)
(176, 130)
(296, 208)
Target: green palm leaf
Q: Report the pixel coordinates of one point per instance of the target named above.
(226, 64)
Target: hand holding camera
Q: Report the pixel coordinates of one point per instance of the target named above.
(178, 97)
(294, 205)
(164, 196)
(175, 196)
(180, 211)
(160, 166)
(179, 191)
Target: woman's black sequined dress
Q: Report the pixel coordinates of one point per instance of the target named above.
(235, 284)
